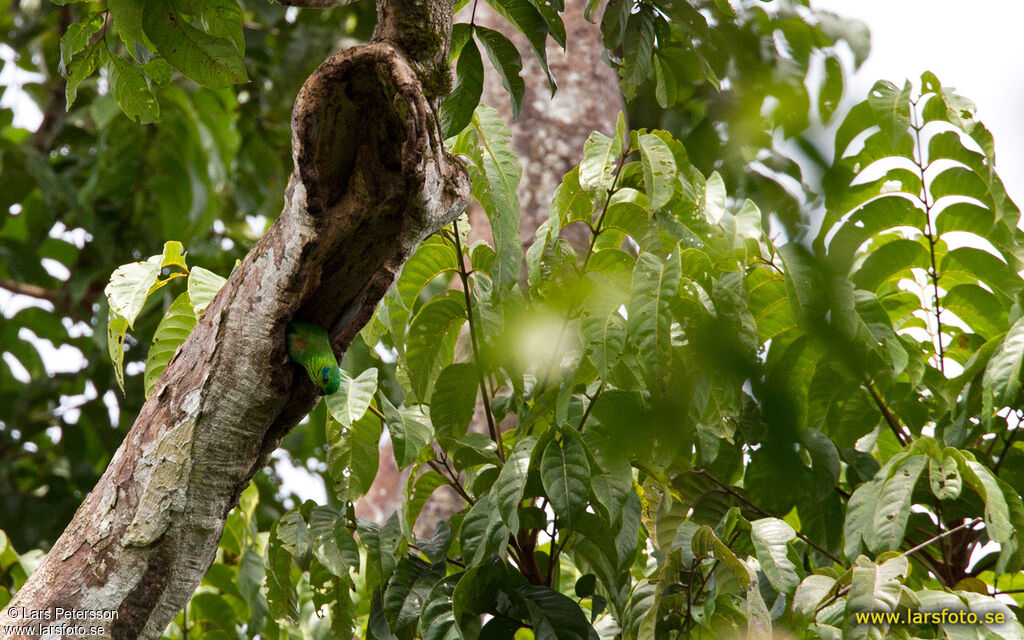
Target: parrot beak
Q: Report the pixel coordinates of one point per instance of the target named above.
(320, 392)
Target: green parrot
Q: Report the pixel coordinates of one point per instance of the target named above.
(309, 346)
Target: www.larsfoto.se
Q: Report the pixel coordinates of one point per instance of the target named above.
(945, 616)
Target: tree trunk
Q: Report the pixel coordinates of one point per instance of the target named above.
(371, 180)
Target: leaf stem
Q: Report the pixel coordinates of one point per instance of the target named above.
(823, 551)
(590, 405)
(553, 558)
(1006, 448)
(453, 483)
(464, 277)
(963, 525)
(890, 417)
(929, 233)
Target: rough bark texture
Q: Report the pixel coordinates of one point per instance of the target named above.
(371, 180)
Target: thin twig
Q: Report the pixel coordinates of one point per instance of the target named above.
(890, 417)
(451, 482)
(590, 405)
(1009, 442)
(823, 551)
(464, 277)
(553, 558)
(964, 525)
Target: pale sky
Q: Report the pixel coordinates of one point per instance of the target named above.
(974, 46)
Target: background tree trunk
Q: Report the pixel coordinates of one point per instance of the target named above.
(369, 172)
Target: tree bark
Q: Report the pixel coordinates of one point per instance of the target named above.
(371, 180)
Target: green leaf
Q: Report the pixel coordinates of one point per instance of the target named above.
(174, 255)
(666, 89)
(206, 59)
(423, 487)
(203, 285)
(603, 329)
(655, 282)
(484, 534)
(377, 627)
(771, 538)
(382, 543)
(431, 259)
(509, 487)
(944, 476)
(714, 198)
(174, 328)
(876, 587)
(565, 473)
(131, 91)
(810, 594)
(997, 512)
(81, 67)
(129, 287)
(831, 89)
(600, 155)
(1002, 381)
(893, 508)
(507, 63)
(637, 50)
(76, 38)
(659, 167)
(498, 193)
(525, 17)
(281, 594)
(353, 398)
(407, 589)
(553, 615)
(410, 432)
(570, 202)
(891, 107)
(860, 514)
(323, 521)
(437, 620)
(430, 343)
(352, 456)
(457, 108)
(117, 328)
(453, 400)
(127, 16)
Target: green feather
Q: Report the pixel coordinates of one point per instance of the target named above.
(309, 346)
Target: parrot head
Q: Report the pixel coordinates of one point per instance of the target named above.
(330, 380)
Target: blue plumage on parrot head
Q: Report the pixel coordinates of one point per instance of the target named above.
(330, 381)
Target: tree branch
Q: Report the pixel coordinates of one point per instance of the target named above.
(370, 173)
(26, 289)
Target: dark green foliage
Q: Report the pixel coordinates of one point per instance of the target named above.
(698, 423)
